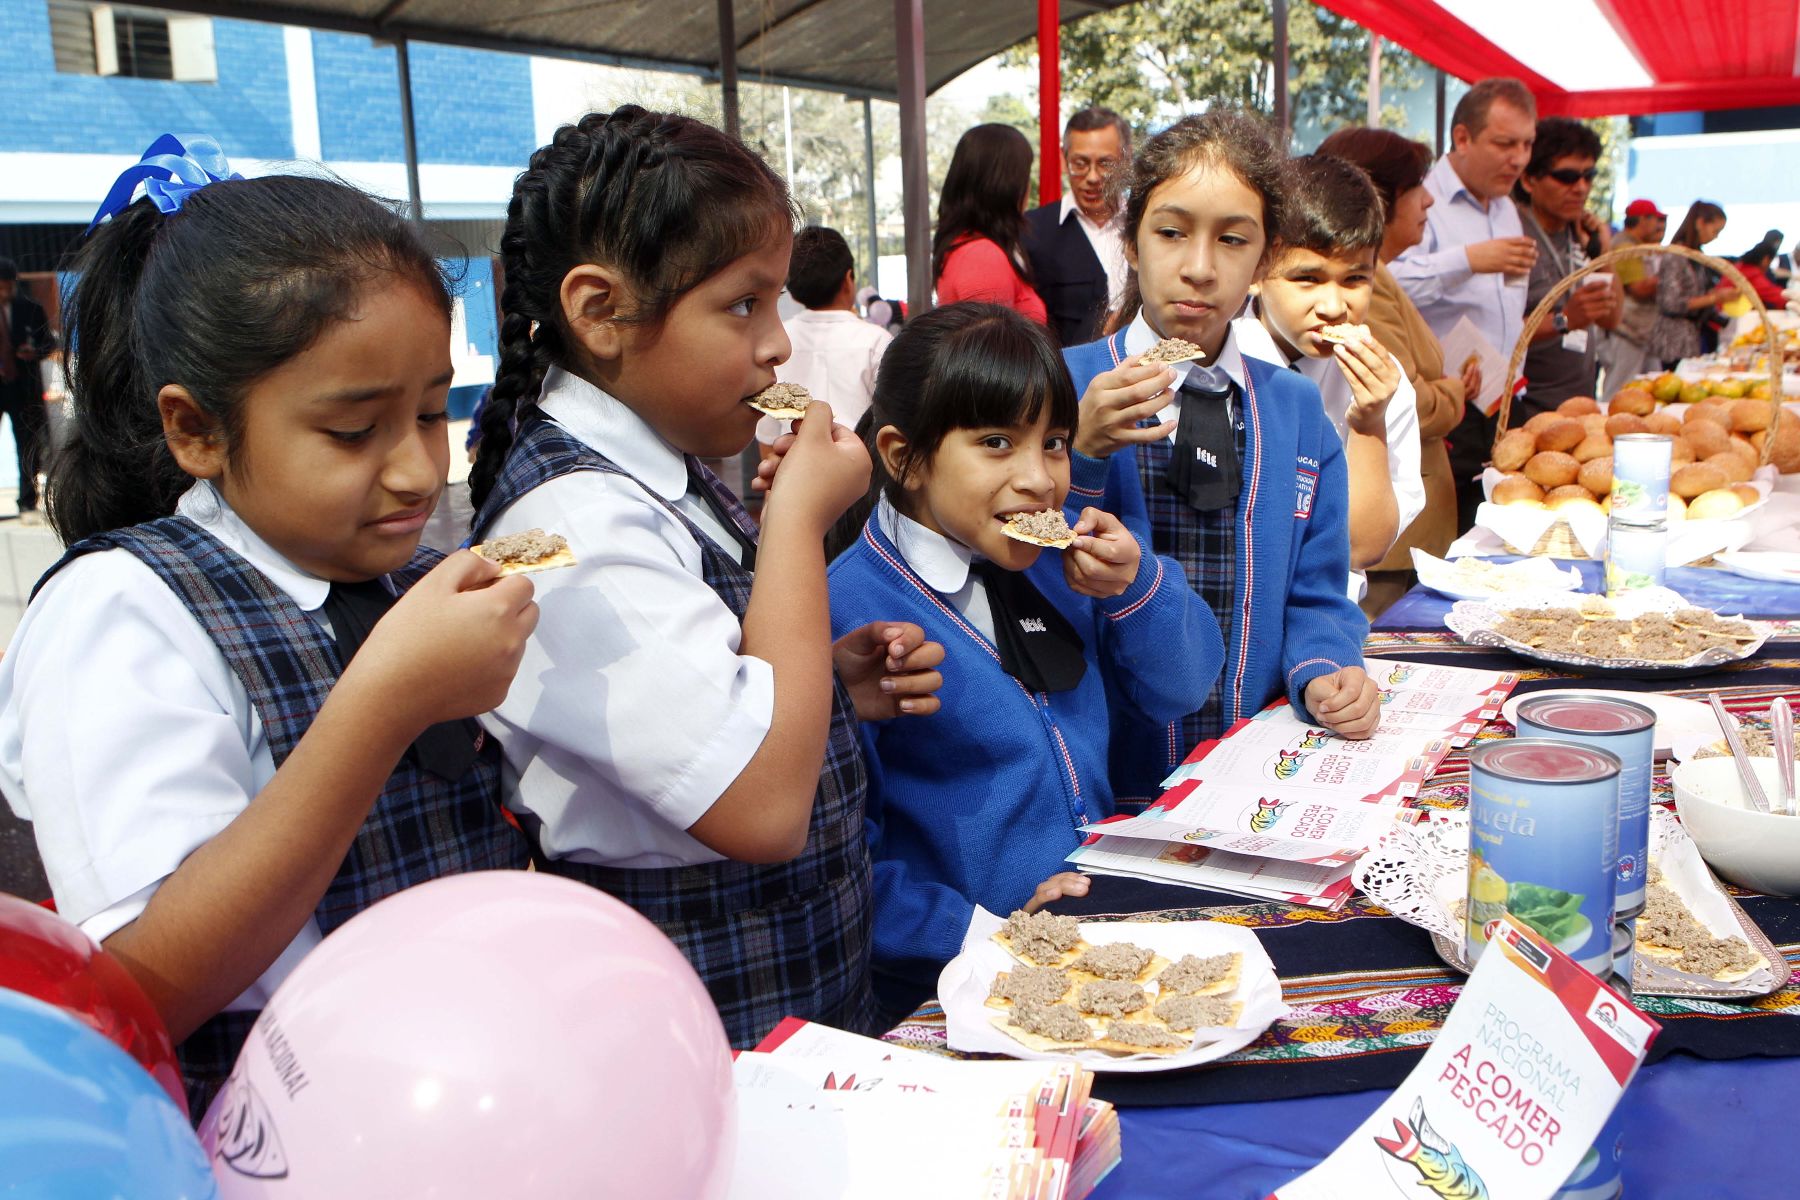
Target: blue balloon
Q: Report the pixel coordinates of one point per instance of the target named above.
(80, 1118)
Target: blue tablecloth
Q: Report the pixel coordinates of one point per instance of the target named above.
(1694, 1130)
(1707, 587)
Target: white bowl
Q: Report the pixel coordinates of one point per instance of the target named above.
(1756, 849)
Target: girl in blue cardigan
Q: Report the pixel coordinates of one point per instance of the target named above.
(1228, 465)
(981, 802)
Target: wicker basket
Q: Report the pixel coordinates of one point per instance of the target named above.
(1548, 304)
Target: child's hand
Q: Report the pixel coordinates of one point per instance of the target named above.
(1347, 702)
(1104, 559)
(1116, 401)
(1064, 883)
(889, 670)
(822, 472)
(1374, 377)
(449, 648)
(770, 462)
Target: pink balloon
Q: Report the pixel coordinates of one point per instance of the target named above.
(502, 1033)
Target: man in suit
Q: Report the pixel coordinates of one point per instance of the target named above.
(24, 339)
(1076, 245)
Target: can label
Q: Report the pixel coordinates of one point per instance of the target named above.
(1543, 844)
(1627, 731)
(1637, 556)
(1640, 488)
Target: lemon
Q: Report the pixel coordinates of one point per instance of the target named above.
(1487, 887)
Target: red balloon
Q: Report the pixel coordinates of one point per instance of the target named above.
(44, 956)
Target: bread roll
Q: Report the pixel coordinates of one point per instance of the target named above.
(1695, 479)
(1681, 453)
(1593, 422)
(1516, 489)
(1787, 443)
(1732, 466)
(1633, 400)
(1710, 505)
(1553, 468)
(1677, 508)
(1596, 475)
(1746, 492)
(1570, 503)
(1623, 423)
(1747, 416)
(1706, 410)
(1563, 434)
(1705, 438)
(1514, 449)
(1541, 421)
(1663, 421)
(1576, 406)
(1593, 446)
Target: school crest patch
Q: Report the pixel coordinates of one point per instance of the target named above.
(1306, 483)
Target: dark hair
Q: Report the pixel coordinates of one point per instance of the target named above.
(664, 199)
(1094, 117)
(1242, 142)
(962, 366)
(1560, 137)
(8, 269)
(1688, 232)
(1759, 255)
(1395, 165)
(246, 275)
(984, 190)
(1472, 110)
(1332, 208)
(817, 267)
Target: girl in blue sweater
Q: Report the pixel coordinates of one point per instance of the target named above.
(1229, 464)
(981, 802)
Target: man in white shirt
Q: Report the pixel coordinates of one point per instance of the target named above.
(836, 352)
(1076, 246)
(1475, 260)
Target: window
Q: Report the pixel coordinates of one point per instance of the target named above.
(141, 43)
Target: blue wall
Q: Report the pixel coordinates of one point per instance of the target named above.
(50, 112)
(472, 107)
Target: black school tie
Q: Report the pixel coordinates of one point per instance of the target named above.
(1037, 645)
(446, 749)
(1203, 468)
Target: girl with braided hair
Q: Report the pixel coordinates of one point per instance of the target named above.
(677, 732)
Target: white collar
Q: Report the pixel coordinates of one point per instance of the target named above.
(825, 314)
(1139, 337)
(1068, 206)
(204, 506)
(1451, 184)
(1253, 338)
(604, 423)
(940, 562)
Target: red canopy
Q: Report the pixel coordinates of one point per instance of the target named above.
(1590, 58)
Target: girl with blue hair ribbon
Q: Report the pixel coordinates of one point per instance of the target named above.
(239, 710)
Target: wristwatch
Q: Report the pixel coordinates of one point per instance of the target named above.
(1559, 322)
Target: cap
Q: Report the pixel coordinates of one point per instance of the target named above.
(1644, 208)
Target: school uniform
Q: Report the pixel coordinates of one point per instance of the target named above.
(981, 801)
(156, 683)
(1271, 566)
(633, 711)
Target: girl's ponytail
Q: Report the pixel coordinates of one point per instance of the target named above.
(114, 469)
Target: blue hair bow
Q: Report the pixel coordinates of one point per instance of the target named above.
(170, 172)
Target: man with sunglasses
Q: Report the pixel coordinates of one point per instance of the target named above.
(1552, 194)
(1076, 245)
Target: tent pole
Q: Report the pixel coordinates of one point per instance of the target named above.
(1279, 11)
(728, 75)
(871, 271)
(909, 37)
(1440, 112)
(1374, 121)
(1049, 103)
(409, 130)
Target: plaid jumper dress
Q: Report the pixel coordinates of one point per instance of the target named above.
(421, 827)
(769, 941)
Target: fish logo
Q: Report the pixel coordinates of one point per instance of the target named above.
(1400, 675)
(244, 1134)
(1314, 739)
(1268, 813)
(1200, 835)
(1442, 1171)
(1287, 763)
(1387, 696)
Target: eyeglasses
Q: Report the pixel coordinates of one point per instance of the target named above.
(1081, 166)
(1569, 176)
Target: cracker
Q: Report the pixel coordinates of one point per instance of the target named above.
(1170, 351)
(1029, 981)
(1345, 335)
(527, 552)
(1038, 1041)
(1048, 528)
(1158, 1039)
(1064, 932)
(1153, 964)
(785, 401)
(1110, 998)
(1186, 1014)
(1216, 974)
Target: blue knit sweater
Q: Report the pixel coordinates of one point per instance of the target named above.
(1294, 622)
(979, 802)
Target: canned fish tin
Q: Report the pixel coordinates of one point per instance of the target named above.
(1543, 844)
(1637, 556)
(1624, 955)
(1640, 488)
(1626, 730)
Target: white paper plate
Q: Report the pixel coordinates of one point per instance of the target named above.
(1773, 566)
(966, 979)
(1528, 574)
(1678, 722)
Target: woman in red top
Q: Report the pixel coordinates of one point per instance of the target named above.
(975, 254)
(1755, 268)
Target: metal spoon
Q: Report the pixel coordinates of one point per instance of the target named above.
(1746, 775)
(1781, 732)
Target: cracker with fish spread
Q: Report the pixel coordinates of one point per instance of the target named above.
(1668, 932)
(1188, 1014)
(1193, 975)
(1170, 351)
(784, 401)
(527, 552)
(1141, 1037)
(1029, 985)
(1042, 939)
(1118, 961)
(1048, 528)
(1046, 1027)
